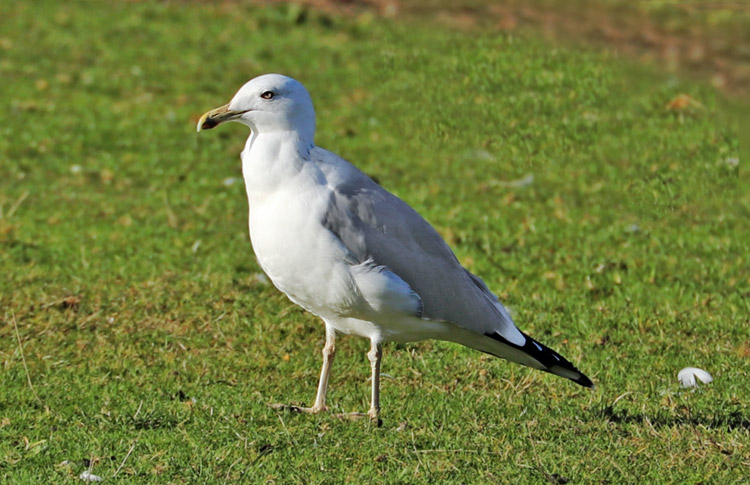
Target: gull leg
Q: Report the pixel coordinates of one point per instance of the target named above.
(374, 356)
(329, 352)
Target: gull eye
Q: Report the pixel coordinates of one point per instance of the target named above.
(266, 95)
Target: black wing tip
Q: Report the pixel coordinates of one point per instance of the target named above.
(584, 381)
(566, 369)
(548, 358)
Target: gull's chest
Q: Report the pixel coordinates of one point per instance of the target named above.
(285, 201)
(284, 227)
(291, 245)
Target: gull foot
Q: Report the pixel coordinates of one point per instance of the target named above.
(298, 409)
(357, 416)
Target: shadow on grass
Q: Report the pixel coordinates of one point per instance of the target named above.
(733, 420)
(151, 421)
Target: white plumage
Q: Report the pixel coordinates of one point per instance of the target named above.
(347, 250)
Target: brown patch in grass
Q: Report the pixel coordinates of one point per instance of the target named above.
(682, 38)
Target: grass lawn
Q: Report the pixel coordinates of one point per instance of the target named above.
(598, 198)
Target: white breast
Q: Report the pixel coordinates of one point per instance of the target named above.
(301, 257)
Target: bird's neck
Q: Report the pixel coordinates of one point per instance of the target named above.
(272, 159)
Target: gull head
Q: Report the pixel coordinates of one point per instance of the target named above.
(267, 103)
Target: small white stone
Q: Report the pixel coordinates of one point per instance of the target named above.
(90, 477)
(633, 228)
(688, 375)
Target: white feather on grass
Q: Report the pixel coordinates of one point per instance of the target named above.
(688, 376)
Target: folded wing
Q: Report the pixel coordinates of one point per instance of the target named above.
(378, 226)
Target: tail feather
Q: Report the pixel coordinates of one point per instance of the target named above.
(534, 352)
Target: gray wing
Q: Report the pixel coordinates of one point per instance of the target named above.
(376, 225)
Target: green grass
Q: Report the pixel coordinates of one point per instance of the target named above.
(145, 327)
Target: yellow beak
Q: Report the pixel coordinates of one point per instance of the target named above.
(215, 117)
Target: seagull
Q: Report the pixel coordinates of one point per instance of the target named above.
(347, 250)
